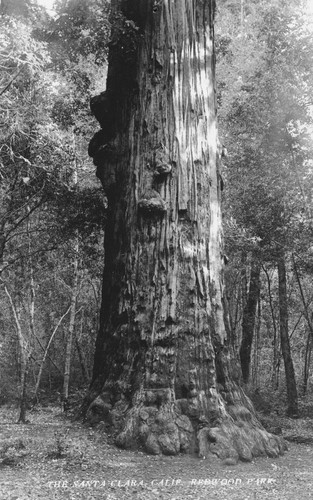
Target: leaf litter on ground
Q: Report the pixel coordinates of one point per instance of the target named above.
(62, 459)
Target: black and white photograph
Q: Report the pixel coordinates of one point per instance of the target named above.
(156, 249)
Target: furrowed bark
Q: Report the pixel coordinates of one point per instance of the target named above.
(163, 375)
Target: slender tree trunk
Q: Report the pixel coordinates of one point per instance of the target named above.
(276, 350)
(248, 320)
(242, 17)
(81, 357)
(70, 333)
(244, 279)
(306, 311)
(163, 377)
(308, 317)
(42, 364)
(2, 242)
(24, 355)
(256, 364)
(307, 362)
(32, 294)
(23, 400)
(31, 307)
(292, 395)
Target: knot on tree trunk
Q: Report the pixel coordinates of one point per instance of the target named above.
(106, 174)
(104, 157)
(162, 162)
(152, 204)
(98, 140)
(103, 108)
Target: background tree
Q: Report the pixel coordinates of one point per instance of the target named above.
(41, 212)
(266, 120)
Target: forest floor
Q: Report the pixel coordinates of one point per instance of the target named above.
(52, 457)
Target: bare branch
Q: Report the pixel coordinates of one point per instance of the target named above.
(10, 83)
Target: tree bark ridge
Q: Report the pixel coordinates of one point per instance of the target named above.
(163, 375)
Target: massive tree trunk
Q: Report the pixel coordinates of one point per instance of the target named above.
(248, 319)
(163, 378)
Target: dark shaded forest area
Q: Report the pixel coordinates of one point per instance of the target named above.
(53, 209)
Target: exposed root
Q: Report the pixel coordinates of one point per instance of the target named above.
(165, 430)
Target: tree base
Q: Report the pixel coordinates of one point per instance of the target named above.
(178, 427)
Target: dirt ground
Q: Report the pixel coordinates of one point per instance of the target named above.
(54, 458)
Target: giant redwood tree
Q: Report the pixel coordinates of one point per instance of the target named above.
(164, 377)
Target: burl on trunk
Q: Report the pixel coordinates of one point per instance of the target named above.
(164, 378)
